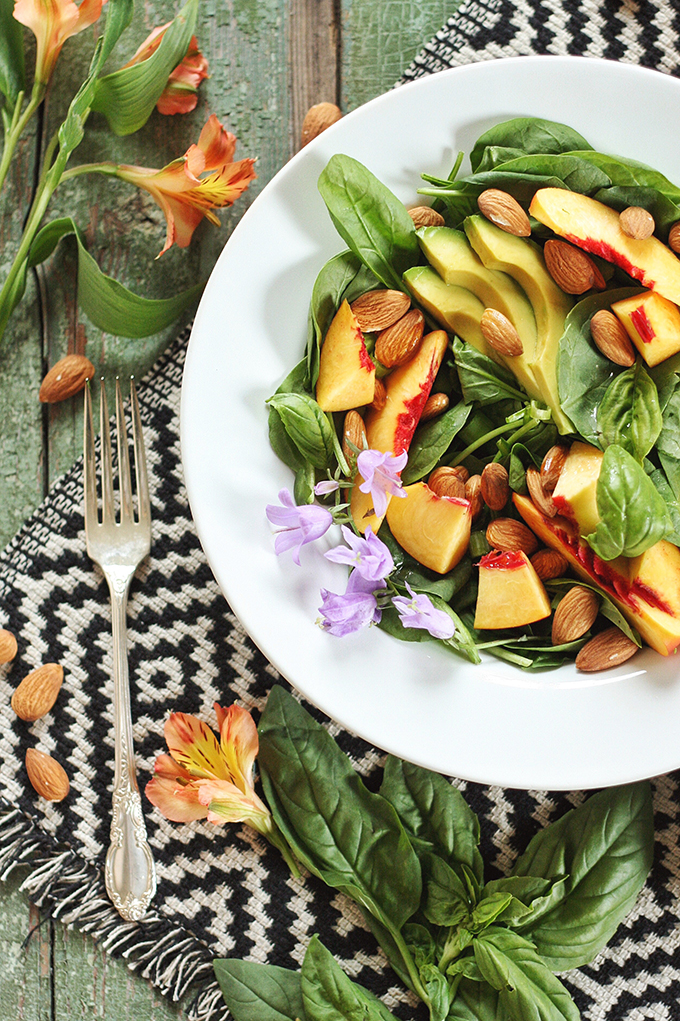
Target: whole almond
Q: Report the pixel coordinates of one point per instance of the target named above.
(499, 333)
(636, 222)
(379, 395)
(66, 378)
(548, 564)
(398, 343)
(473, 493)
(462, 472)
(47, 776)
(353, 436)
(317, 119)
(495, 487)
(436, 404)
(574, 615)
(8, 646)
(607, 649)
(674, 237)
(573, 271)
(376, 310)
(38, 692)
(425, 216)
(540, 497)
(505, 211)
(552, 465)
(510, 536)
(610, 335)
(446, 482)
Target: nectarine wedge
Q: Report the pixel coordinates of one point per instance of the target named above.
(433, 529)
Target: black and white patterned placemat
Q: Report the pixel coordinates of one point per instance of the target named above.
(223, 891)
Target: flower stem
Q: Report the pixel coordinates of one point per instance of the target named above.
(17, 124)
(505, 428)
(90, 168)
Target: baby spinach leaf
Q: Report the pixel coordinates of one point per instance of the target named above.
(605, 848)
(494, 155)
(668, 442)
(481, 379)
(328, 994)
(526, 986)
(627, 173)
(307, 427)
(260, 992)
(370, 219)
(663, 209)
(432, 440)
(433, 810)
(633, 513)
(350, 838)
(629, 413)
(526, 174)
(663, 486)
(531, 135)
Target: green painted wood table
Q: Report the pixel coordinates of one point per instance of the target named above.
(269, 61)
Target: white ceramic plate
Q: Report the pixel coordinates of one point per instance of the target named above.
(491, 723)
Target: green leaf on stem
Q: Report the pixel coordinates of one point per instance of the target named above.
(432, 440)
(328, 994)
(128, 96)
(629, 413)
(260, 992)
(12, 72)
(307, 427)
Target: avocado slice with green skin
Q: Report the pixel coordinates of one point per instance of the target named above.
(455, 308)
(522, 259)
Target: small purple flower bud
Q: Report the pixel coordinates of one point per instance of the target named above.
(380, 474)
(299, 525)
(326, 486)
(419, 612)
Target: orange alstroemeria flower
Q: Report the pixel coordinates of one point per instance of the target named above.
(203, 778)
(184, 196)
(52, 23)
(180, 94)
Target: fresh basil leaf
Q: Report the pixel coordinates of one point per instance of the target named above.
(297, 380)
(583, 372)
(303, 488)
(489, 909)
(438, 992)
(530, 135)
(481, 379)
(307, 427)
(633, 515)
(605, 848)
(328, 994)
(466, 967)
(526, 986)
(477, 1001)
(668, 442)
(433, 810)
(372, 221)
(432, 440)
(12, 72)
(446, 901)
(260, 992)
(350, 838)
(420, 942)
(629, 413)
(281, 443)
(128, 96)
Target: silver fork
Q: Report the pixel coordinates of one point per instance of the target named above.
(118, 547)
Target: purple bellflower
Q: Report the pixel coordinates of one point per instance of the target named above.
(297, 525)
(367, 554)
(418, 611)
(380, 474)
(342, 615)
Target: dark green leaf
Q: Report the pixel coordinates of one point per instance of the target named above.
(663, 487)
(329, 995)
(119, 14)
(627, 173)
(438, 993)
(494, 155)
(605, 848)
(446, 901)
(524, 175)
(489, 909)
(260, 992)
(629, 413)
(420, 943)
(47, 239)
(281, 443)
(530, 135)
(372, 221)
(432, 440)
(481, 379)
(477, 1001)
(12, 74)
(127, 97)
(530, 896)
(303, 490)
(307, 427)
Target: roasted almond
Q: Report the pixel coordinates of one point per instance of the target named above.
(66, 378)
(425, 216)
(473, 493)
(573, 271)
(495, 487)
(574, 615)
(446, 482)
(436, 404)
(607, 649)
(8, 646)
(674, 237)
(548, 564)
(499, 333)
(552, 465)
(353, 437)
(610, 335)
(317, 119)
(636, 222)
(505, 211)
(541, 499)
(379, 395)
(511, 536)
(38, 692)
(47, 776)
(376, 310)
(398, 343)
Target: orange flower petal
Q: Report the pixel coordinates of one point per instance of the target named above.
(177, 100)
(177, 803)
(226, 803)
(193, 745)
(149, 46)
(239, 743)
(217, 143)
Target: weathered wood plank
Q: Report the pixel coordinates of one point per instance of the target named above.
(314, 47)
(25, 978)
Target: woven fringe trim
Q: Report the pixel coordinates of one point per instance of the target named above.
(73, 891)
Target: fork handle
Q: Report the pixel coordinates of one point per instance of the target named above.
(129, 872)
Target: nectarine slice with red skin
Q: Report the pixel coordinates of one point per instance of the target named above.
(575, 494)
(391, 429)
(653, 324)
(510, 592)
(433, 529)
(346, 370)
(596, 228)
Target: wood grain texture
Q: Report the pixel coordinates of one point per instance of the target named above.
(314, 52)
(25, 951)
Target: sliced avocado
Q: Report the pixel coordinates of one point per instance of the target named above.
(523, 260)
(455, 308)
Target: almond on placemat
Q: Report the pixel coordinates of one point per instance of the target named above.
(48, 777)
(574, 615)
(376, 310)
(38, 692)
(317, 119)
(8, 646)
(66, 378)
